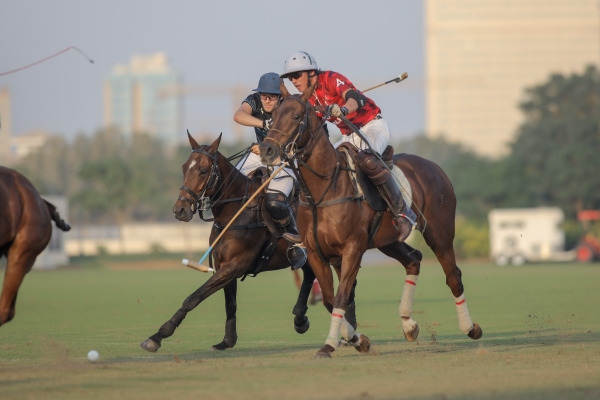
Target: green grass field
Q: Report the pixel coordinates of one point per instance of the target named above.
(541, 336)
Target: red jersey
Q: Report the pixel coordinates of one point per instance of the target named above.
(330, 87)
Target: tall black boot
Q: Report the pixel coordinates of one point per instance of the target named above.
(404, 218)
(282, 215)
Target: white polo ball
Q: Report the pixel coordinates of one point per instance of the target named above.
(93, 355)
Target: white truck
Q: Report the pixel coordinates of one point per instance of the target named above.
(520, 235)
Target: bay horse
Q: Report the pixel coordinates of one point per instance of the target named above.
(336, 224)
(210, 180)
(25, 230)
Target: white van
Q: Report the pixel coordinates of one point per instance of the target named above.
(519, 235)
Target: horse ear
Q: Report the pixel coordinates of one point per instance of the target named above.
(193, 142)
(284, 92)
(215, 145)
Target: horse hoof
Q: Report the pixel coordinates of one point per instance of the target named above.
(301, 327)
(476, 332)
(221, 346)
(150, 345)
(362, 343)
(413, 334)
(325, 352)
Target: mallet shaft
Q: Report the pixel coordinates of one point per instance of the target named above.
(397, 79)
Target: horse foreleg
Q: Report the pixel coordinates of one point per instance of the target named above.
(339, 325)
(214, 283)
(301, 323)
(230, 338)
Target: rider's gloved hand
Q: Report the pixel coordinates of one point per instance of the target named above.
(268, 123)
(336, 111)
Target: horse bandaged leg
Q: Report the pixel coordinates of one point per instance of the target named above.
(409, 326)
(346, 330)
(337, 316)
(464, 319)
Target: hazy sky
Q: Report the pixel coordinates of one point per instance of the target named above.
(211, 43)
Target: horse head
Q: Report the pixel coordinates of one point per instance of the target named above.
(200, 176)
(294, 124)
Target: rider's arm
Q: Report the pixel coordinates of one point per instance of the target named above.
(243, 116)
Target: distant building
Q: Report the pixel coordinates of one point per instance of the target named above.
(134, 100)
(481, 55)
(27, 143)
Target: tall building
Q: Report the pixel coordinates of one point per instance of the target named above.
(480, 56)
(134, 100)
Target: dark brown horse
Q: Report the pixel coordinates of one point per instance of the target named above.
(25, 230)
(246, 248)
(335, 225)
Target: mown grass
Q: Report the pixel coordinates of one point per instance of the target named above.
(540, 322)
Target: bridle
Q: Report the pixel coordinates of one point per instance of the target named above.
(292, 151)
(200, 202)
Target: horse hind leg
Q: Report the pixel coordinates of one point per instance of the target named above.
(447, 259)
(410, 258)
(17, 266)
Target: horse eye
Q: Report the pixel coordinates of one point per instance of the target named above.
(296, 116)
(203, 171)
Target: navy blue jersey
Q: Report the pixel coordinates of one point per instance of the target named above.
(257, 111)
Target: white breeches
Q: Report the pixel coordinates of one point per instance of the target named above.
(282, 182)
(376, 132)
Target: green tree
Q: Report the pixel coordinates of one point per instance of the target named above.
(554, 158)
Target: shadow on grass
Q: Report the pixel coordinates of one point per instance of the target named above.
(500, 342)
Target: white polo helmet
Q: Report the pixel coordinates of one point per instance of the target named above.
(299, 61)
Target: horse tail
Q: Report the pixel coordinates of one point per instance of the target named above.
(60, 223)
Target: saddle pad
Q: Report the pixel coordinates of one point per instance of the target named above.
(403, 184)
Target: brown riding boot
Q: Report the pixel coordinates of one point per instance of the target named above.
(404, 218)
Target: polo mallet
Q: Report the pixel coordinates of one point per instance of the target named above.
(397, 79)
(198, 265)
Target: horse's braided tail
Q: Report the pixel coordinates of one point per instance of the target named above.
(60, 223)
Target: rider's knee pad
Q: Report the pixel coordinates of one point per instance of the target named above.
(276, 207)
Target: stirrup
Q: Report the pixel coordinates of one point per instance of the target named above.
(400, 222)
(412, 222)
(300, 259)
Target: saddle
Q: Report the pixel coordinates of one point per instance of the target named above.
(363, 185)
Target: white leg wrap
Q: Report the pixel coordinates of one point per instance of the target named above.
(337, 316)
(346, 330)
(406, 302)
(464, 319)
